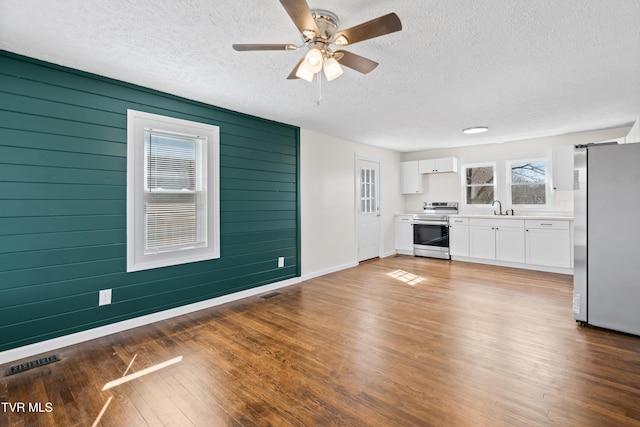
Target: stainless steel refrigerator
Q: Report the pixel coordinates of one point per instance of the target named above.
(606, 289)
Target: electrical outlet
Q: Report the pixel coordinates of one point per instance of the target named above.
(105, 297)
(280, 262)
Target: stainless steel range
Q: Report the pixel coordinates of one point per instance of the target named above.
(431, 229)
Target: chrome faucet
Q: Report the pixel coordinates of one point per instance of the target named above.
(499, 204)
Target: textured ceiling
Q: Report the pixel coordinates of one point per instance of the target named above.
(525, 68)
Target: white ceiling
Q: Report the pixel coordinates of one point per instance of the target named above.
(525, 68)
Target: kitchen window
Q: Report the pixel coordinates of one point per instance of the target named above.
(172, 191)
(479, 183)
(527, 183)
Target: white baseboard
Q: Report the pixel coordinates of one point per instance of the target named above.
(78, 337)
(560, 270)
(391, 253)
(328, 270)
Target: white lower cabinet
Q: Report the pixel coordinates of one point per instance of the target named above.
(482, 241)
(532, 243)
(459, 236)
(549, 243)
(497, 239)
(404, 234)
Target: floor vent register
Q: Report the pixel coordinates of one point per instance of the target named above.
(271, 295)
(21, 367)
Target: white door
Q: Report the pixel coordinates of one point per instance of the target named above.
(368, 208)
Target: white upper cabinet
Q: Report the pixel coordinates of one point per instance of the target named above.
(411, 178)
(447, 164)
(562, 168)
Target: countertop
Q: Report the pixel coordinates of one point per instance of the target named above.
(548, 217)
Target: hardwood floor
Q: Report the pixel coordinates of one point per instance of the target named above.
(400, 341)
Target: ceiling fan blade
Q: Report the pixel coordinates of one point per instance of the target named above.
(247, 47)
(380, 26)
(355, 62)
(300, 13)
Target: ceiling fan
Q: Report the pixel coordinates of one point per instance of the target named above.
(319, 30)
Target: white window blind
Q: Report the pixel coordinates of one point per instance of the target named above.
(175, 192)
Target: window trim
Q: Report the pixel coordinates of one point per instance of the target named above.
(547, 183)
(137, 122)
(463, 182)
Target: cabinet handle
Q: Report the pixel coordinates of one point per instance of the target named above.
(546, 225)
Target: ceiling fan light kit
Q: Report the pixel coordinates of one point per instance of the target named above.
(332, 69)
(318, 30)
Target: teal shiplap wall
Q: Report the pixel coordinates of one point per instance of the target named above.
(63, 203)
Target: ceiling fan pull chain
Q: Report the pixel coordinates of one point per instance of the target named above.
(319, 88)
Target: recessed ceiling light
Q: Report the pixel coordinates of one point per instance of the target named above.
(476, 129)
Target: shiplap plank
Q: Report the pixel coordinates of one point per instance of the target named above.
(238, 173)
(229, 184)
(60, 256)
(45, 241)
(49, 174)
(31, 157)
(253, 205)
(262, 237)
(45, 191)
(256, 165)
(56, 224)
(255, 196)
(46, 141)
(241, 146)
(260, 225)
(17, 208)
(242, 217)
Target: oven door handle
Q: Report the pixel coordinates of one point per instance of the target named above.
(427, 222)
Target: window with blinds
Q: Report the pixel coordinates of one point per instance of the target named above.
(173, 214)
(175, 192)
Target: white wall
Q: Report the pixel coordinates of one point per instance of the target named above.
(447, 187)
(327, 169)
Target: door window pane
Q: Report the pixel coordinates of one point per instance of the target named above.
(368, 202)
